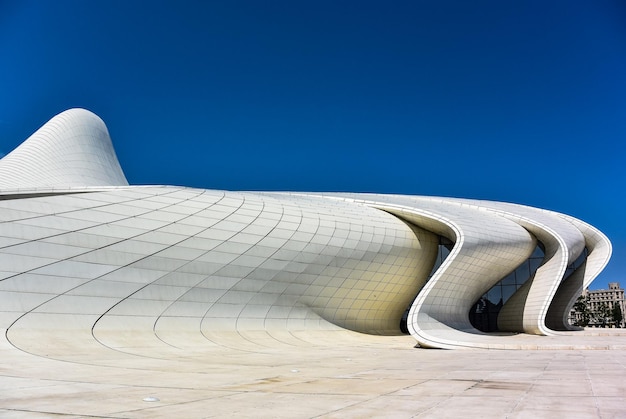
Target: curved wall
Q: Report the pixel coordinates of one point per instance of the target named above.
(83, 254)
(166, 259)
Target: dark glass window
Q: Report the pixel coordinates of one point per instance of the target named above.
(500, 293)
(487, 320)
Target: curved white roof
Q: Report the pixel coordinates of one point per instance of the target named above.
(72, 149)
(83, 252)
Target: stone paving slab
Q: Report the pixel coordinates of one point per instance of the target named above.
(361, 376)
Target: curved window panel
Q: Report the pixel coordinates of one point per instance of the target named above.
(484, 313)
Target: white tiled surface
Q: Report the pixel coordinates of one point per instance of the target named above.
(83, 254)
(492, 239)
(239, 262)
(72, 149)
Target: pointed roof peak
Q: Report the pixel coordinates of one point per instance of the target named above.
(71, 149)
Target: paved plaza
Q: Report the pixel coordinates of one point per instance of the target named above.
(334, 375)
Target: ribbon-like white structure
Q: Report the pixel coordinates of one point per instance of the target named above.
(83, 252)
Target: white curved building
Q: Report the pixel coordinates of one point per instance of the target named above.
(82, 253)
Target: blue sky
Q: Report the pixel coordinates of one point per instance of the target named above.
(511, 101)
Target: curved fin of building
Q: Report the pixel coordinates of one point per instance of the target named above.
(598, 255)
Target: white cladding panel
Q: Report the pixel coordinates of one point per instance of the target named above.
(84, 254)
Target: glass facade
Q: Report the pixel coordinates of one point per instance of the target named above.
(484, 313)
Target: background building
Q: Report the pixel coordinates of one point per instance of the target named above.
(600, 308)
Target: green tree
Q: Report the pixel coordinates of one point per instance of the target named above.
(603, 315)
(581, 307)
(617, 315)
